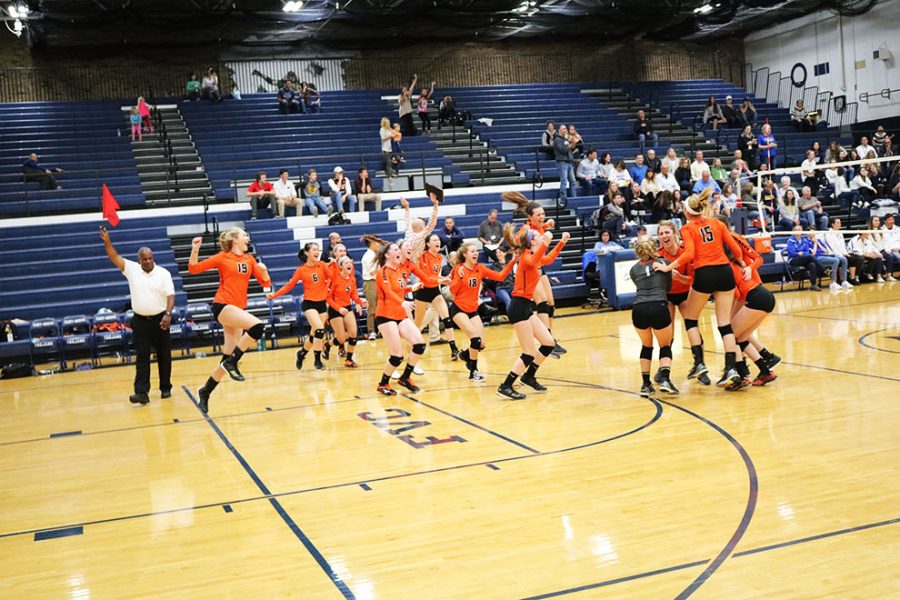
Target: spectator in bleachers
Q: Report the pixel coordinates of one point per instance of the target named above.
(606, 168)
(562, 154)
(328, 246)
(576, 143)
(671, 159)
(826, 259)
(785, 186)
(836, 245)
(285, 192)
(635, 201)
(801, 253)
(864, 150)
(843, 194)
(490, 234)
(698, 167)
(668, 201)
(652, 161)
(887, 150)
(666, 180)
(891, 238)
(747, 145)
(736, 180)
(422, 106)
(643, 129)
(446, 111)
(649, 188)
(863, 246)
(729, 199)
(706, 181)
(364, 192)
(894, 182)
(718, 172)
(862, 184)
(732, 115)
(811, 209)
(748, 111)
(405, 107)
(261, 194)
(833, 152)
(712, 114)
(288, 99)
(683, 175)
(144, 111)
(612, 217)
(310, 99)
(387, 135)
(193, 88)
(588, 173)
(606, 244)
(767, 146)
(769, 200)
(638, 170)
(312, 195)
(816, 148)
(789, 213)
(879, 137)
(152, 300)
(136, 130)
(800, 117)
(547, 139)
(211, 86)
(342, 198)
(34, 171)
(808, 171)
(736, 159)
(451, 236)
(881, 245)
(397, 157)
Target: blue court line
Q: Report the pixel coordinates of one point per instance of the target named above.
(310, 547)
(471, 424)
(492, 466)
(52, 534)
(365, 487)
(174, 421)
(863, 342)
(227, 508)
(64, 434)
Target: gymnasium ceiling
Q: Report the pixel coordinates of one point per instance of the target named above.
(357, 24)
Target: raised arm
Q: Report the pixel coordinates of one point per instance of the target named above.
(554, 254)
(488, 273)
(195, 266)
(429, 227)
(114, 257)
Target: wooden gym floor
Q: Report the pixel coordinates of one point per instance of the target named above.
(308, 485)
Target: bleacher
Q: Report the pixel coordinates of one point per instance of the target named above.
(85, 139)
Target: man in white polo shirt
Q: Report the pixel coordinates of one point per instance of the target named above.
(152, 300)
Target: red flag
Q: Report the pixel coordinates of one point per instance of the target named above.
(110, 206)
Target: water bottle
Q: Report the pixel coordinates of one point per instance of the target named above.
(10, 334)
(261, 344)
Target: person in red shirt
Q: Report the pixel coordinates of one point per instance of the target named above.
(531, 247)
(392, 319)
(465, 285)
(670, 248)
(315, 276)
(240, 328)
(341, 294)
(260, 192)
(705, 240)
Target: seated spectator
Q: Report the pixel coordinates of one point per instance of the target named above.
(748, 112)
(890, 237)
(643, 129)
(588, 173)
(211, 86)
(310, 99)
(311, 193)
(801, 253)
(364, 192)
(43, 174)
(712, 115)
(638, 170)
(451, 236)
(288, 99)
(809, 173)
(606, 244)
(785, 186)
(698, 167)
(342, 198)
(843, 194)
(736, 160)
(864, 150)
(490, 234)
(683, 175)
(193, 88)
(285, 193)
(612, 217)
(800, 117)
(650, 188)
(863, 246)
(664, 206)
(816, 148)
(887, 149)
(576, 144)
(833, 152)
(635, 201)
(620, 176)
(730, 199)
(811, 209)
(862, 184)
(261, 194)
(446, 111)
(606, 168)
(334, 238)
(894, 182)
(789, 213)
(706, 181)
(878, 240)
(671, 158)
(653, 163)
(769, 200)
(718, 172)
(733, 116)
(547, 139)
(836, 245)
(826, 259)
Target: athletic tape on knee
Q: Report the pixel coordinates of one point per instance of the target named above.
(395, 361)
(476, 344)
(526, 358)
(690, 324)
(545, 350)
(665, 352)
(725, 330)
(257, 331)
(319, 334)
(447, 323)
(544, 308)
(647, 353)
(418, 348)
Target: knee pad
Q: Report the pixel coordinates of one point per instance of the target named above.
(552, 311)
(319, 334)
(725, 330)
(647, 353)
(476, 344)
(690, 324)
(447, 323)
(257, 331)
(395, 361)
(545, 350)
(527, 359)
(743, 345)
(665, 352)
(544, 308)
(418, 349)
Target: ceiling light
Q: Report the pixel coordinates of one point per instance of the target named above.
(13, 11)
(702, 10)
(292, 6)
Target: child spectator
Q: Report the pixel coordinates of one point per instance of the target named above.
(144, 111)
(193, 88)
(135, 119)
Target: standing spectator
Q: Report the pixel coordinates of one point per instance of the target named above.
(836, 245)
(748, 111)
(135, 119)
(490, 234)
(864, 150)
(387, 135)
(451, 236)
(211, 86)
(808, 172)
(193, 87)
(588, 173)
(671, 159)
(312, 195)
(732, 115)
(288, 99)
(364, 191)
(260, 192)
(547, 139)
(767, 146)
(643, 129)
(285, 193)
(152, 300)
(801, 253)
(562, 154)
(310, 99)
(747, 145)
(713, 114)
(638, 170)
(35, 171)
(144, 110)
(698, 167)
(369, 264)
(811, 209)
(405, 109)
(341, 192)
(422, 106)
(652, 162)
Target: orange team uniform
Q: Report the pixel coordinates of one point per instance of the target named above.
(686, 270)
(315, 282)
(334, 271)
(342, 291)
(430, 266)
(234, 276)
(703, 238)
(753, 260)
(529, 272)
(465, 288)
(408, 267)
(391, 286)
(528, 225)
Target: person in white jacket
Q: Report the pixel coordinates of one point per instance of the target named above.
(863, 185)
(862, 245)
(833, 243)
(891, 237)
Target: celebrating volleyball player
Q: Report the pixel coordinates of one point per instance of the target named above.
(465, 286)
(429, 295)
(703, 238)
(338, 251)
(670, 248)
(342, 292)
(314, 275)
(393, 322)
(241, 329)
(532, 249)
(650, 314)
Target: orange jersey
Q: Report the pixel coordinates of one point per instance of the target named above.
(686, 270)
(342, 292)
(315, 281)
(753, 260)
(703, 239)
(391, 286)
(529, 225)
(529, 272)
(334, 271)
(465, 283)
(234, 276)
(430, 266)
(408, 268)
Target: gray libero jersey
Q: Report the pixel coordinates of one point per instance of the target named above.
(651, 285)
